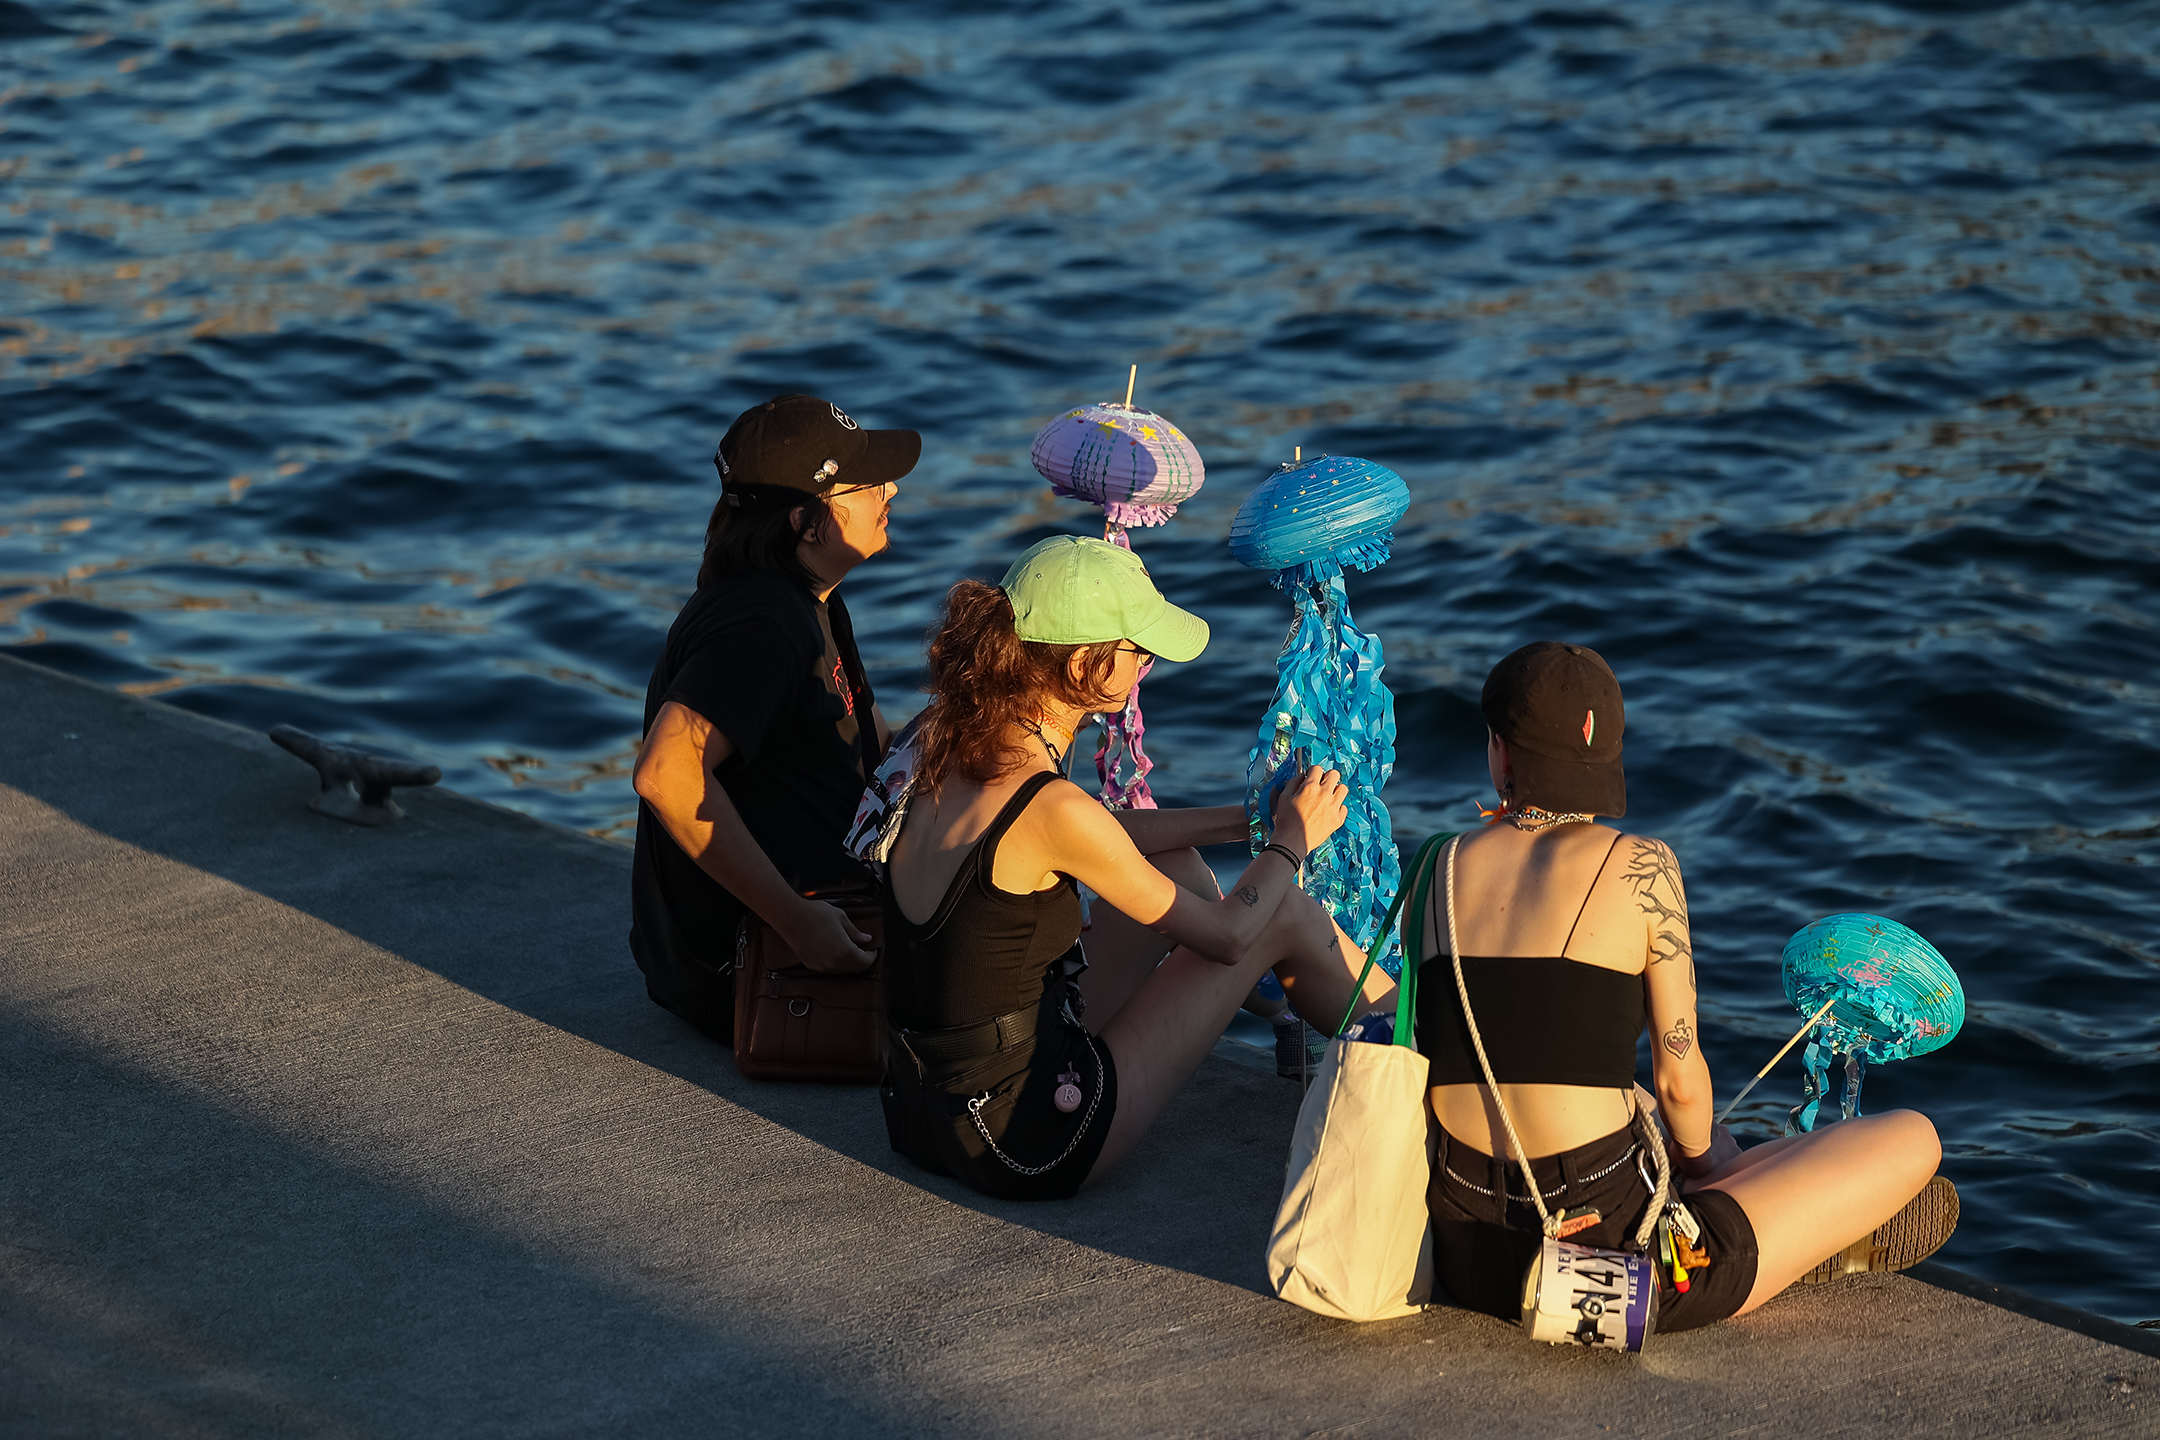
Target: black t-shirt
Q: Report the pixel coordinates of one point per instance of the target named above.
(761, 658)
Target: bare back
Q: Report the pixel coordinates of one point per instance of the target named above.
(1064, 833)
(1589, 896)
(941, 830)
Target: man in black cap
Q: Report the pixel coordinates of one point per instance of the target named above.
(759, 717)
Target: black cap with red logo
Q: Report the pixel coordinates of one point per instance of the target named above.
(806, 445)
(1558, 707)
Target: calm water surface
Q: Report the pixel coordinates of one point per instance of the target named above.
(360, 364)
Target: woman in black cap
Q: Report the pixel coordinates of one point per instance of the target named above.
(759, 718)
(1574, 936)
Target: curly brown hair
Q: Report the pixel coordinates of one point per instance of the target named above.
(985, 680)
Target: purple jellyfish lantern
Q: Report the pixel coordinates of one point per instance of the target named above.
(1138, 467)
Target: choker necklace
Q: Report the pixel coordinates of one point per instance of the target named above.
(1530, 820)
(1057, 756)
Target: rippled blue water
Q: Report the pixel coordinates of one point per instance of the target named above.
(360, 364)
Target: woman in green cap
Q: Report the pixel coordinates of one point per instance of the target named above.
(1022, 1064)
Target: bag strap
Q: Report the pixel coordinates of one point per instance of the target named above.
(1421, 871)
(1406, 989)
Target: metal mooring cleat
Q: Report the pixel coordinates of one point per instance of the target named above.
(355, 787)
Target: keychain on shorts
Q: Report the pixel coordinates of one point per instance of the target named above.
(1687, 1243)
(1576, 1220)
(1067, 1098)
(1667, 1254)
(1680, 1242)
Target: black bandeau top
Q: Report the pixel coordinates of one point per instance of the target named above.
(1545, 1019)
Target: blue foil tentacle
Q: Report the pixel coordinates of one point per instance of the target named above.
(1331, 704)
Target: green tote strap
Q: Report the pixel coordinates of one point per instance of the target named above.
(1419, 879)
(1423, 870)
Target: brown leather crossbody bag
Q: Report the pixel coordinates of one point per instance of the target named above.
(798, 1024)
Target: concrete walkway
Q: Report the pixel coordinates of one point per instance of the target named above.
(311, 1129)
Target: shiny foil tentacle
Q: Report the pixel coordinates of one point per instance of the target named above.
(1120, 763)
(1330, 702)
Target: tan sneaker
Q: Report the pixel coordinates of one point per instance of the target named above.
(1899, 1243)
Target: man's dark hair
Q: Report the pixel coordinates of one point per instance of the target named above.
(763, 538)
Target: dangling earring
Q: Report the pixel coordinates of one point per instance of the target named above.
(1507, 803)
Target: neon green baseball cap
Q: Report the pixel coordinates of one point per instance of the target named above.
(1070, 590)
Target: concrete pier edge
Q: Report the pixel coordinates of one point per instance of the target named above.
(2048, 1312)
(430, 1041)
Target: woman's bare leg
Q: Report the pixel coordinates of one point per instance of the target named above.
(1815, 1194)
(1318, 982)
(1122, 952)
(1178, 1011)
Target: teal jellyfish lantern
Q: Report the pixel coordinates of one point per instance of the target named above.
(1138, 467)
(1890, 994)
(1305, 525)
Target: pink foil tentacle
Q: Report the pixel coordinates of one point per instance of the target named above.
(1120, 762)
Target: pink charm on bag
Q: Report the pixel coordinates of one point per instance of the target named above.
(1067, 1098)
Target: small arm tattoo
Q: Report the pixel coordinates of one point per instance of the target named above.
(1679, 1039)
(1249, 895)
(1653, 873)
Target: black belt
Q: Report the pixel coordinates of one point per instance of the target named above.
(984, 1037)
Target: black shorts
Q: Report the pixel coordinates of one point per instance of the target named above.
(993, 1122)
(1482, 1245)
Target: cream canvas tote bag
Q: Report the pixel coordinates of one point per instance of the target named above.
(1352, 1238)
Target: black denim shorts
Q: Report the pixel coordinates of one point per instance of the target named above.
(1482, 1243)
(988, 1121)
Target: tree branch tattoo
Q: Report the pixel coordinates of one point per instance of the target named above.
(1653, 873)
(1249, 895)
(1679, 1038)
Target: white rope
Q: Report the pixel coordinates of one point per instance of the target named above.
(1522, 1155)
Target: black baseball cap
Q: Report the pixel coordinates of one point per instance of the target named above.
(1558, 707)
(804, 444)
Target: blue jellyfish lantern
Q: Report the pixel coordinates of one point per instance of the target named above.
(1304, 525)
(1890, 995)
